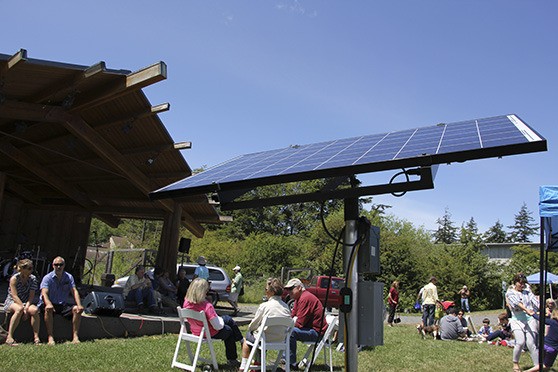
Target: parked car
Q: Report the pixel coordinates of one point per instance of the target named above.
(318, 286)
(218, 279)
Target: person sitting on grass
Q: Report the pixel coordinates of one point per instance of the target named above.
(485, 330)
(504, 333)
(463, 320)
(20, 300)
(450, 326)
(221, 328)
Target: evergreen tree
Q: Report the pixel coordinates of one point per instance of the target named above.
(524, 225)
(470, 233)
(447, 232)
(496, 234)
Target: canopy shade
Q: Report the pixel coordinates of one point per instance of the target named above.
(536, 278)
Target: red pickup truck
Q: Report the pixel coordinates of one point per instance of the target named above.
(318, 286)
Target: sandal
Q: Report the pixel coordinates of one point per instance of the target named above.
(37, 342)
(12, 343)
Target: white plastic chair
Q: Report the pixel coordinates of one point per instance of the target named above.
(186, 336)
(324, 343)
(263, 346)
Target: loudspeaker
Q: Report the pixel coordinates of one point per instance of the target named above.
(184, 246)
(104, 303)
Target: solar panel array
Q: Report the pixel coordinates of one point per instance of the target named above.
(472, 136)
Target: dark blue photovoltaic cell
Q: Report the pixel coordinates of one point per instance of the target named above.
(459, 137)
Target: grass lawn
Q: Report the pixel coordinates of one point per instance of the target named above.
(403, 350)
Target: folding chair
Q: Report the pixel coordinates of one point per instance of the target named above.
(324, 343)
(261, 343)
(188, 337)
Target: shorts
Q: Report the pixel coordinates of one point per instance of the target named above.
(63, 309)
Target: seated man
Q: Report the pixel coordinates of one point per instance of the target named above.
(55, 288)
(310, 323)
(450, 326)
(138, 289)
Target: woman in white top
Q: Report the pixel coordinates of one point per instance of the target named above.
(21, 300)
(274, 307)
(523, 304)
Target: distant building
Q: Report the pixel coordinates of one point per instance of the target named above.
(502, 252)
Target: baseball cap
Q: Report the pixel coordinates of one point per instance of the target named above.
(294, 282)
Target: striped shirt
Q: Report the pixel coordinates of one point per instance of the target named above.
(23, 289)
(527, 298)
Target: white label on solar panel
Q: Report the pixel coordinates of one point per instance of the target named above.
(441, 138)
(524, 129)
(406, 142)
(478, 133)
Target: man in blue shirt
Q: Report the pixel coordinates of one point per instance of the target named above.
(201, 271)
(55, 288)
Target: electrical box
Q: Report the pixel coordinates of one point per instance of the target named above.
(369, 251)
(370, 311)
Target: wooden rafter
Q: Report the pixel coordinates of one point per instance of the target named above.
(131, 82)
(25, 161)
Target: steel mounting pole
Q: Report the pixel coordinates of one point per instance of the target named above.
(350, 265)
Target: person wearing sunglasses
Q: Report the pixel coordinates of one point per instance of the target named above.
(20, 300)
(55, 288)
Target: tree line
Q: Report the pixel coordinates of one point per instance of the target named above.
(263, 240)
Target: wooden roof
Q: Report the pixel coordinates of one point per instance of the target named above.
(87, 137)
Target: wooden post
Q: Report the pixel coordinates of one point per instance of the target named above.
(168, 245)
(2, 185)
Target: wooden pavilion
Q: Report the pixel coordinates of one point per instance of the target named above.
(78, 142)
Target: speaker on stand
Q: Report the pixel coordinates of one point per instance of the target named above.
(184, 248)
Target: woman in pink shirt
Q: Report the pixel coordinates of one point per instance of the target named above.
(221, 328)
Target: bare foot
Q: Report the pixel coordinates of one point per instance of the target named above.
(75, 341)
(51, 341)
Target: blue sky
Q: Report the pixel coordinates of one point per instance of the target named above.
(247, 76)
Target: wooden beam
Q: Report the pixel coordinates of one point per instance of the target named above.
(134, 81)
(23, 192)
(133, 117)
(13, 61)
(130, 212)
(25, 161)
(77, 126)
(2, 186)
(17, 58)
(16, 110)
(109, 220)
(57, 92)
(83, 131)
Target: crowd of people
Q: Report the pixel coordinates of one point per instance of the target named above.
(309, 326)
(518, 327)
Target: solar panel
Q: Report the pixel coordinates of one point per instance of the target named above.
(436, 144)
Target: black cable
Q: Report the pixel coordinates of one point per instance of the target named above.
(401, 193)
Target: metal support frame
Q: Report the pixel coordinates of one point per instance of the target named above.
(350, 258)
(426, 181)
